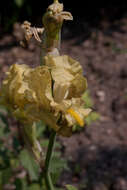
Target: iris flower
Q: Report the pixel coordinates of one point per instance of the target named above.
(51, 93)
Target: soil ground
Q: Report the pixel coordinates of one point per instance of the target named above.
(97, 155)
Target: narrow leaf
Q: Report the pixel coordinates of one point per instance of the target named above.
(29, 164)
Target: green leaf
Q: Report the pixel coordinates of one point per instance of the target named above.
(57, 166)
(21, 184)
(3, 110)
(29, 164)
(87, 99)
(40, 128)
(2, 125)
(44, 143)
(16, 144)
(93, 116)
(4, 129)
(6, 175)
(34, 187)
(14, 163)
(18, 184)
(70, 187)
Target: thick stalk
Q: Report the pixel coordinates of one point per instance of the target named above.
(47, 176)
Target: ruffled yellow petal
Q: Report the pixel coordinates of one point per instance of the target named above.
(76, 116)
(51, 93)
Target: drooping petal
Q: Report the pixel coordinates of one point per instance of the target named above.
(51, 93)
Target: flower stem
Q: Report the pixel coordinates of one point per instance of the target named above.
(47, 176)
(55, 1)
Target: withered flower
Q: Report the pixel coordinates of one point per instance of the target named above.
(51, 93)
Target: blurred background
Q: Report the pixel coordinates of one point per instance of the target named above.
(91, 14)
(94, 158)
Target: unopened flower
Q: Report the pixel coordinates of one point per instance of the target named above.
(51, 93)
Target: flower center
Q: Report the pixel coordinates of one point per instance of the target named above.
(76, 116)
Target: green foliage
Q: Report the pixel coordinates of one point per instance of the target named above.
(93, 116)
(70, 187)
(87, 99)
(41, 127)
(4, 131)
(57, 166)
(34, 187)
(29, 164)
(17, 167)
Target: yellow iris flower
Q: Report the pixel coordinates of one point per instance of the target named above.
(51, 93)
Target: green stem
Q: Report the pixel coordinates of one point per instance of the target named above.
(47, 176)
(55, 1)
